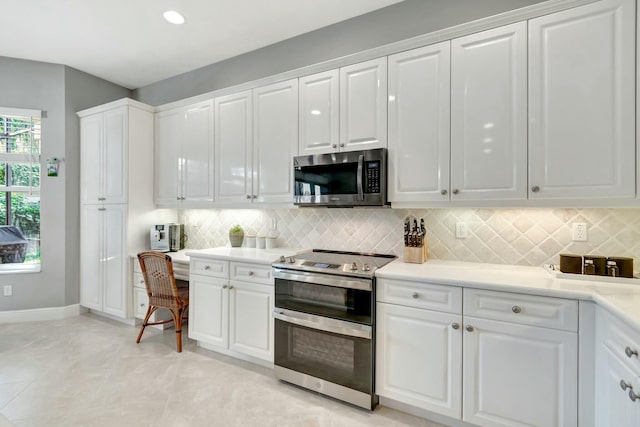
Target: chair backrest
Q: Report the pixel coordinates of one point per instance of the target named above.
(157, 270)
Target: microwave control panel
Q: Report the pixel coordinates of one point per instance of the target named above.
(372, 177)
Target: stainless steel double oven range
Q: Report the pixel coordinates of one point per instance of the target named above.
(324, 323)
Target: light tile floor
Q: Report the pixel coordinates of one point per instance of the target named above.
(88, 371)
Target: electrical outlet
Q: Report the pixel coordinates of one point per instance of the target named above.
(461, 230)
(8, 290)
(579, 232)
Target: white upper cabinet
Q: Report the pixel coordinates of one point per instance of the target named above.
(184, 155)
(319, 113)
(363, 105)
(256, 138)
(419, 124)
(581, 102)
(275, 141)
(489, 114)
(233, 142)
(104, 161)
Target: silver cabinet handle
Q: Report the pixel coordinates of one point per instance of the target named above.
(455, 191)
(224, 286)
(177, 198)
(630, 352)
(248, 196)
(443, 192)
(516, 309)
(250, 273)
(415, 295)
(253, 196)
(469, 328)
(206, 267)
(633, 396)
(230, 287)
(334, 145)
(455, 326)
(342, 144)
(535, 189)
(625, 385)
(141, 282)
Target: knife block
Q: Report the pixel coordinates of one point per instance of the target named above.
(416, 255)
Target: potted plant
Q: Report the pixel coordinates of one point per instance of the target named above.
(236, 236)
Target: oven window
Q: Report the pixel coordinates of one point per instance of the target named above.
(338, 303)
(340, 359)
(340, 178)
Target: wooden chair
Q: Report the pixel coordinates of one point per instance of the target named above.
(157, 270)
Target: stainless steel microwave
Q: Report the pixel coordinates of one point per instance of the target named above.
(346, 179)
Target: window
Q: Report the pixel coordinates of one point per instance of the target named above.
(19, 189)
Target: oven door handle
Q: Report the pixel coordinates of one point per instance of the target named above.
(323, 279)
(322, 323)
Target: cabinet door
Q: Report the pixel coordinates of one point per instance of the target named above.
(419, 358)
(167, 137)
(419, 124)
(363, 105)
(91, 145)
(91, 237)
(114, 261)
(581, 102)
(319, 113)
(233, 141)
(197, 153)
(489, 114)
(116, 125)
(275, 141)
(250, 319)
(208, 310)
(517, 375)
(615, 408)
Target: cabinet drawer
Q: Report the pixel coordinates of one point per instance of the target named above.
(138, 281)
(556, 313)
(420, 295)
(140, 303)
(252, 273)
(620, 339)
(210, 267)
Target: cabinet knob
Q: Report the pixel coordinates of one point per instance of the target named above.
(342, 144)
(177, 198)
(516, 309)
(224, 286)
(141, 282)
(535, 189)
(455, 191)
(141, 304)
(630, 352)
(334, 145)
(415, 295)
(251, 273)
(633, 396)
(253, 196)
(248, 196)
(455, 326)
(230, 287)
(443, 192)
(206, 267)
(469, 328)
(625, 385)
(102, 209)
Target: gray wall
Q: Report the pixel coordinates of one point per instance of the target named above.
(42, 86)
(403, 20)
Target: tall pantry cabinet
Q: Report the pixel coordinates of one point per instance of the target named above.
(116, 145)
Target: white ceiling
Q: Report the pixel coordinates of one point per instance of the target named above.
(129, 43)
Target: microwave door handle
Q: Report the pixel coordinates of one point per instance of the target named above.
(359, 178)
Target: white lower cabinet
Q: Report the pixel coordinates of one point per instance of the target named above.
(617, 372)
(232, 316)
(487, 362)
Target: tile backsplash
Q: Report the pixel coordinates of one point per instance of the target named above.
(501, 236)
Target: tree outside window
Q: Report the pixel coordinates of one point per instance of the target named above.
(19, 186)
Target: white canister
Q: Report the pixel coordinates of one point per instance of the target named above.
(272, 242)
(261, 242)
(250, 241)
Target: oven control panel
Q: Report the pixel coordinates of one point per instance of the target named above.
(320, 265)
(372, 178)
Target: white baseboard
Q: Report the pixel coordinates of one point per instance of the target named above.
(41, 314)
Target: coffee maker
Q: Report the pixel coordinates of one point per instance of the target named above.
(159, 237)
(176, 237)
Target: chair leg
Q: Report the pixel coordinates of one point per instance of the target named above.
(150, 311)
(177, 321)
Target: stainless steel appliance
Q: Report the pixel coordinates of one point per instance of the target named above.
(176, 237)
(346, 179)
(159, 237)
(324, 323)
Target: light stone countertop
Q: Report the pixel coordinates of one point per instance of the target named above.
(253, 255)
(621, 299)
(176, 257)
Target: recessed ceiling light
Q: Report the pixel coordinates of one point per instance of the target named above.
(173, 17)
